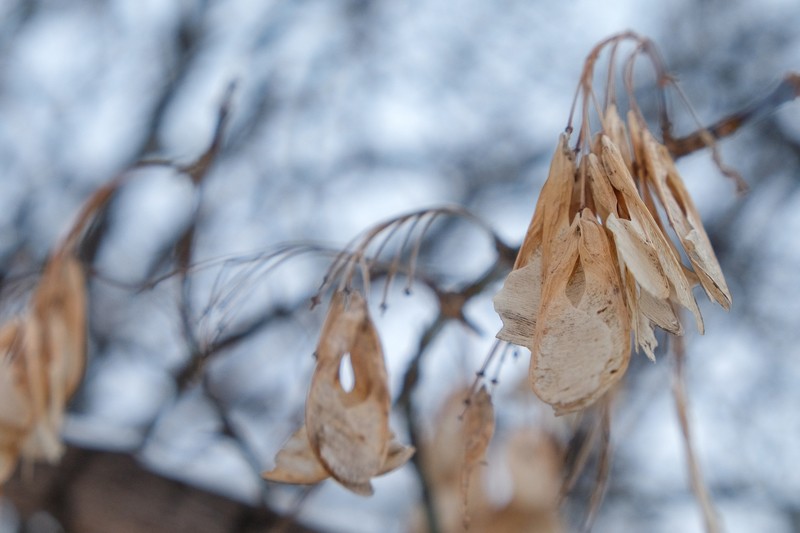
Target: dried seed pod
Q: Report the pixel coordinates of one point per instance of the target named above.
(346, 433)
(615, 128)
(397, 455)
(54, 352)
(296, 462)
(639, 256)
(42, 359)
(582, 341)
(478, 428)
(59, 305)
(685, 219)
(478, 431)
(603, 193)
(58, 314)
(680, 287)
(660, 312)
(551, 215)
(349, 431)
(16, 416)
(518, 302)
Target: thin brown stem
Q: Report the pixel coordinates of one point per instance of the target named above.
(710, 515)
(603, 466)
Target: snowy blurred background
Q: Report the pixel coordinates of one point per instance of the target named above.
(347, 113)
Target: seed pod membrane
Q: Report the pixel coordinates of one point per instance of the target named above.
(582, 345)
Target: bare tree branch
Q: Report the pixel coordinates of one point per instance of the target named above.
(786, 91)
(97, 491)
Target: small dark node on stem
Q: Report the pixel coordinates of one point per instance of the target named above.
(407, 291)
(494, 381)
(480, 373)
(315, 301)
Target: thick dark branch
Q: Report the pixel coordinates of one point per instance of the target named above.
(104, 491)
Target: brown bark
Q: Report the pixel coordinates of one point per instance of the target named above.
(101, 492)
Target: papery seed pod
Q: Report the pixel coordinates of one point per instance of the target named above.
(639, 256)
(618, 133)
(16, 416)
(478, 428)
(346, 433)
(680, 287)
(478, 432)
(605, 199)
(551, 215)
(518, 302)
(660, 312)
(685, 220)
(349, 431)
(59, 311)
(582, 341)
(296, 462)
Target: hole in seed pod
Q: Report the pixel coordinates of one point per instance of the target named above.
(346, 377)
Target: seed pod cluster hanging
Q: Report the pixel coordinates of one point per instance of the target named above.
(597, 265)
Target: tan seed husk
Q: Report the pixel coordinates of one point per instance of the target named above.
(685, 219)
(346, 433)
(581, 348)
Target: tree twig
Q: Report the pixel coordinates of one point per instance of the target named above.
(406, 403)
(603, 466)
(451, 307)
(786, 91)
(710, 515)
